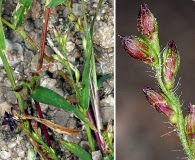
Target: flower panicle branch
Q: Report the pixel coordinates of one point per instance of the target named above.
(147, 49)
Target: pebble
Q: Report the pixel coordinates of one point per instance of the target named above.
(11, 98)
(61, 117)
(15, 37)
(72, 138)
(7, 83)
(4, 155)
(35, 9)
(12, 144)
(38, 23)
(21, 153)
(2, 98)
(104, 35)
(28, 55)
(70, 46)
(77, 9)
(96, 155)
(55, 67)
(107, 114)
(13, 53)
(71, 123)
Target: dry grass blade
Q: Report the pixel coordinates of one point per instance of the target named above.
(38, 148)
(53, 126)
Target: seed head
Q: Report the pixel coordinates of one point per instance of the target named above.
(138, 49)
(160, 103)
(171, 63)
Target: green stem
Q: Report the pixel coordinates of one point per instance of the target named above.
(90, 138)
(11, 78)
(175, 104)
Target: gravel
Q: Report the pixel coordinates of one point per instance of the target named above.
(23, 60)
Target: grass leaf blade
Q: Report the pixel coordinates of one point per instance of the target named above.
(2, 36)
(77, 150)
(47, 96)
(104, 78)
(86, 85)
(54, 3)
(94, 17)
(20, 12)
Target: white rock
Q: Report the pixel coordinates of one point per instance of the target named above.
(13, 53)
(5, 107)
(11, 144)
(107, 114)
(4, 154)
(104, 36)
(70, 46)
(96, 155)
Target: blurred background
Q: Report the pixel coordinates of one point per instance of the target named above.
(139, 127)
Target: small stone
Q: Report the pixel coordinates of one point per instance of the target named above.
(13, 53)
(50, 113)
(4, 155)
(72, 138)
(77, 9)
(15, 37)
(3, 144)
(66, 12)
(14, 155)
(29, 25)
(108, 101)
(38, 23)
(96, 155)
(35, 35)
(61, 117)
(72, 123)
(2, 91)
(107, 114)
(11, 144)
(11, 98)
(34, 62)
(104, 35)
(21, 153)
(70, 46)
(48, 83)
(7, 83)
(49, 51)
(35, 9)
(28, 55)
(55, 67)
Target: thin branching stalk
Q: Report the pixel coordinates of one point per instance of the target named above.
(11, 78)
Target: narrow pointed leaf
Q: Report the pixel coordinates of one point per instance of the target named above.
(2, 36)
(104, 78)
(20, 12)
(54, 3)
(47, 96)
(77, 150)
(94, 17)
(86, 86)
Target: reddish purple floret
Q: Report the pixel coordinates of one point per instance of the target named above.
(190, 122)
(158, 101)
(136, 48)
(171, 64)
(146, 23)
